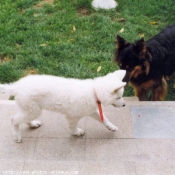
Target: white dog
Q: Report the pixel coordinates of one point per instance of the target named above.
(73, 97)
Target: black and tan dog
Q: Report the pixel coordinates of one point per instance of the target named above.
(148, 63)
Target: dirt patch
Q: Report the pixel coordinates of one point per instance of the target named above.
(4, 59)
(29, 72)
(83, 12)
(40, 4)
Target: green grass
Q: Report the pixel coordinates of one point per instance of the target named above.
(70, 38)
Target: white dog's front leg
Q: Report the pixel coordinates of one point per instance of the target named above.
(73, 126)
(106, 122)
(109, 125)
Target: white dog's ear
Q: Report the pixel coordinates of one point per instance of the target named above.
(121, 74)
(118, 87)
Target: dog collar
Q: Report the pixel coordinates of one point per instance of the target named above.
(99, 108)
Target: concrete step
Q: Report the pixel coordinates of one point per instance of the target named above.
(143, 145)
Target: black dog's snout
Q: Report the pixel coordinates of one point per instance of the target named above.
(126, 77)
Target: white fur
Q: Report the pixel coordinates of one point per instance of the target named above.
(104, 4)
(73, 97)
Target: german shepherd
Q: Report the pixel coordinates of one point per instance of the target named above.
(148, 64)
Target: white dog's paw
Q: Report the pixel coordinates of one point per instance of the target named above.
(17, 138)
(112, 127)
(78, 132)
(34, 124)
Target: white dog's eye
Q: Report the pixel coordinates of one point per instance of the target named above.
(118, 98)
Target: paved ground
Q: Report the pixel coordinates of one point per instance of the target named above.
(144, 144)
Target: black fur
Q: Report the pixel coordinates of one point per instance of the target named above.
(148, 64)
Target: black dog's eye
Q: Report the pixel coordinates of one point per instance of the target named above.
(120, 64)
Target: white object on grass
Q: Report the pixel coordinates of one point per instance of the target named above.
(104, 4)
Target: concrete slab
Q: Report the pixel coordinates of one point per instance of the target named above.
(9, 150)
(153, 122)
(60, 149)
(156, 168)
(81, 168)
(106, 168)
(52, 167)
(110, 150)
(8, 166)
(52, 149)
(130, 149)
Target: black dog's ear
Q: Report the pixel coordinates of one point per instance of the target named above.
(121, 43)
(140, 46)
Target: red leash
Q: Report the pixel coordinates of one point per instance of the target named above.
(99, 108)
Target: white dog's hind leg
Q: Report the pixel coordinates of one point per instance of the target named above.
(25, 116)
(15, 130)
(73, 126)
(34, 113)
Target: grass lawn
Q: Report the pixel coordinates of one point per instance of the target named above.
(70, 38)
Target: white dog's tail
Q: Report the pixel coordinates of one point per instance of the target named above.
(6, 89)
